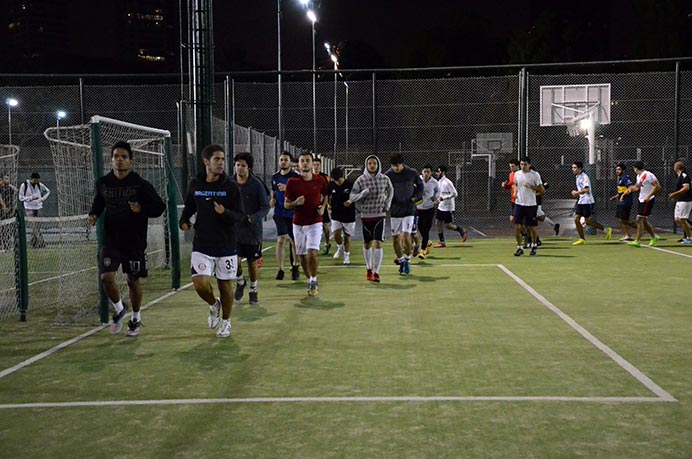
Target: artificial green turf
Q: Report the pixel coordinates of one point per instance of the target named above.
(447, 330)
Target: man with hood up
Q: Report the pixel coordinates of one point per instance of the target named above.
(372, 193)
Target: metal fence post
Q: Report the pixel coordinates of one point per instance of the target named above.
(374, 113)
(22, 265)
(97, 157)
(172, 216)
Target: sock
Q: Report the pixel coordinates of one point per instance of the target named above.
(312, 278)
(347, 254)
(119, 306)
(519, 246)
(253, 285)
(379, 253)
(407, 258)
(241, 282)
(441, 236)
(136, 316)
(341, 247)
(367, 254)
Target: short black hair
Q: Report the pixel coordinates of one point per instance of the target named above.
(427, 166)
(125, 146)
(639, 165)
(244, 156)
(35, 175)
(209, 150)
(579, 164)
(285, 153)
(442, 168)
(337, 173)
(622, 166)
(306, 153)
(526, 159)
(514, 161)
(396, 158)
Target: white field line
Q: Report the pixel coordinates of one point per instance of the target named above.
(628, 367)
(668, 251)
(478, 231)
(409, 399)
(76, 339)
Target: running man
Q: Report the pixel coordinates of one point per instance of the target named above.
(624, 201)
(373, 193)
(283, 218)
(683, 193)
(426, 209)
(307, 196)
(446, 206)
(647, 185)
(129, 202)
(584, 204)
(326, 221)
(527, 183)
(249, 229)
(343, 213)
(217, 201)
(408, 190)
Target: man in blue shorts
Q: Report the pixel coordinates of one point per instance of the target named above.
(283, 218)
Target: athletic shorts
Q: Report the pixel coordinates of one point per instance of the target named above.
(645, 208)
(585, 210)
(401, 225)
(414, 228)
(349, 228)
(284, 225)
(307, 237)
(444, 216)
(224, 268)
(623, 212)
(134, 263)
(682, 209)
(250, 251)
(373, 230)
(325, 216)
(525, 215)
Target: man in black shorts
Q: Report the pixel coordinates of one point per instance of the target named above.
(129, 202)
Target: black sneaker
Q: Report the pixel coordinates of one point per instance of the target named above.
(519, 252)
(533, 251)
(295, 273)
(117, 323)
(133, 327)
(556, 228)
(539, 242)
(253, 297)
(327, 248)
(280, 275)
(239, 289)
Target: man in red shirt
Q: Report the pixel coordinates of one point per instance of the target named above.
(307, 196)
(509, 184)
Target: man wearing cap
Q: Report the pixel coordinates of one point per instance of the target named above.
(32, 193)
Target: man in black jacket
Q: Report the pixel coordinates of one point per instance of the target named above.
(129, 202)
(217, 202)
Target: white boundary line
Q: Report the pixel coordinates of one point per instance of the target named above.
(76, 339)
(407, 399)
(668, 251)
(628, 367)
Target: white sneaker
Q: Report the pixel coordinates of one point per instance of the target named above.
(339, 252)
(347, 258)
(225, 330)
(214, 314)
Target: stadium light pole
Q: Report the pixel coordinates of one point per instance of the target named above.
(60, 114)
(10, 103)
(313, 19)
(335, 60)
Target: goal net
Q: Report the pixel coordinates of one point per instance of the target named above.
(81, 154)
(8, 229)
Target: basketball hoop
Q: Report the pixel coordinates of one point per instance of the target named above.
(573, 128)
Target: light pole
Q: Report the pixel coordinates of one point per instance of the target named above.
(335, 60)
(313, 19)
(278, 73)
(60, 114)
(10, 103)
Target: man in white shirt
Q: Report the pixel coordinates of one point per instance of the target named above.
(585, 204)
(445, 208)
(32, 193)
(527, 183)
(647, 185)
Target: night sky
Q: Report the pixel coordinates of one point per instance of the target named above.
(393, 33)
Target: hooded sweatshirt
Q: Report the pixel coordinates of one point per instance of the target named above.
(372, 193)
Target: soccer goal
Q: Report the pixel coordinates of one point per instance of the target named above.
(81, 155)
(8, 230)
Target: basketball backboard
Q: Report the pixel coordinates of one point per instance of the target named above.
(561, 104)
(497, 143)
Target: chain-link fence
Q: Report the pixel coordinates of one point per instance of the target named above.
(472, 120)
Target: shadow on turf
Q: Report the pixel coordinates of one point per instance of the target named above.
(318, 304)
(249, 313)
(205, 356)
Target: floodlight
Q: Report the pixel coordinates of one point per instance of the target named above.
(12, 102)
(312, 16)
(60, 114)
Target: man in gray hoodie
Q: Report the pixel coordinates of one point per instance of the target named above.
(372, 193)
(408, 190)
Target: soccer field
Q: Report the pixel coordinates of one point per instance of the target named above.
(577, 352)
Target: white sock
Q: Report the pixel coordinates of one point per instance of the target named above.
(253, 285)
(379, 253)
(119, 306)
(136, 316)
(347, 254)
(341, 247)
(407, 258)
(367, 254)
(241, 282)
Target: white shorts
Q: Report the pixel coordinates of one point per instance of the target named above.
(224, 268)
(401, 225)
(683, 209)
(349, 228)
(307, 237)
